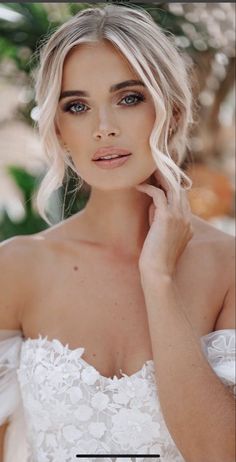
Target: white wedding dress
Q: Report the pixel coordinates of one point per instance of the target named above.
(59, 406)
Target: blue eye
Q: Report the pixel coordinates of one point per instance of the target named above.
(133, 99)
(75, 108)
(69, 108)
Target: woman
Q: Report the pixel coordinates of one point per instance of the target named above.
(118, 336)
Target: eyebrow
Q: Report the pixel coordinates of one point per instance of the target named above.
(113, 88)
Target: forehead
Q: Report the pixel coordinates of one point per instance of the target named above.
(95, 62)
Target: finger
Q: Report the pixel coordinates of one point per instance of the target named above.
(151, 213)
(157, 194)
(165, 185)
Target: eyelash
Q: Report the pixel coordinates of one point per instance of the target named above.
(140, 98)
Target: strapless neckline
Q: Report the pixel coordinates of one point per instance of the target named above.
(149, 364)
(43, 340)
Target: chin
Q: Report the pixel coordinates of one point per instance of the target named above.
(120, 181)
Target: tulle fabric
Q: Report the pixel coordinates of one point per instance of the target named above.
(218, 348)
(11, 406)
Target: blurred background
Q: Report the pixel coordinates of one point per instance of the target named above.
(204, 31)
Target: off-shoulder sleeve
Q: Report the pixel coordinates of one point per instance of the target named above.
(219, 349)
(11, 408)
(10, 347)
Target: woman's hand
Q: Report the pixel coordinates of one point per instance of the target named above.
(170, 229)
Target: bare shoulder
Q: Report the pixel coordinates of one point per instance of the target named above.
(206, 232)
(216, 247)
(220, 251)
(16, 278)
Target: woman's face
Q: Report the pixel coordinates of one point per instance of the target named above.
(105, 116)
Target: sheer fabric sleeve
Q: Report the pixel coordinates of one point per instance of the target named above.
(219, 349)
(11, 408)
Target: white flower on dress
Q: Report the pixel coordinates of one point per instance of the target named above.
(90, 375)
(59, 347)
(88, 447)
(39, 373)
(60, 455)
(41, 420)
(97, 429)
(90, 414)
(170, 453)
(100, 401)
(55, 377)
(121, 397)
(59, 411)
(132, 428)
(29, 355)
(151, 400)
(75, 394)
(221, 348)
(83, 412)
(40, 438)
(50, 440)
(134, 391)
(46, 393)
(71, 433)
(44, 457)
(141, 388)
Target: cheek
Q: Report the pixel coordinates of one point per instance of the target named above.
(144, 130)
(142, 123)
(72, 130)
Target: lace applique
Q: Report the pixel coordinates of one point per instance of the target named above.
(71, 409)
(219, 348)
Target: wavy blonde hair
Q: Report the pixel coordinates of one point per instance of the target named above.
(154, 57)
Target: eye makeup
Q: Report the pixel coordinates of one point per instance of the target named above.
(68, 107)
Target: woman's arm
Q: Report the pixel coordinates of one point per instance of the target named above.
(198, 409)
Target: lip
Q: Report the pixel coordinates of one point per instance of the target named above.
(110, 150)
(112, 163)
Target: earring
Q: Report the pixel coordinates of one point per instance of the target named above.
(69, 161)
(66, 148)
(68, 154)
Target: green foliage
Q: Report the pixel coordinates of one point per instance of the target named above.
(31, 222)
(26, 33)
(28, 185)
(73, 201)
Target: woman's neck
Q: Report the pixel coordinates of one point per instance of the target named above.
(118, 220)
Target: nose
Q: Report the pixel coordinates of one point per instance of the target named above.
(105, 133)
(106, 129)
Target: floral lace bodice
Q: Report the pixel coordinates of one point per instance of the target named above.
(69, 408)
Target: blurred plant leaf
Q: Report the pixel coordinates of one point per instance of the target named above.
(33, 25)
(32, 222)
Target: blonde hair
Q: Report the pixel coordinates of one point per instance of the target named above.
(154, 57)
